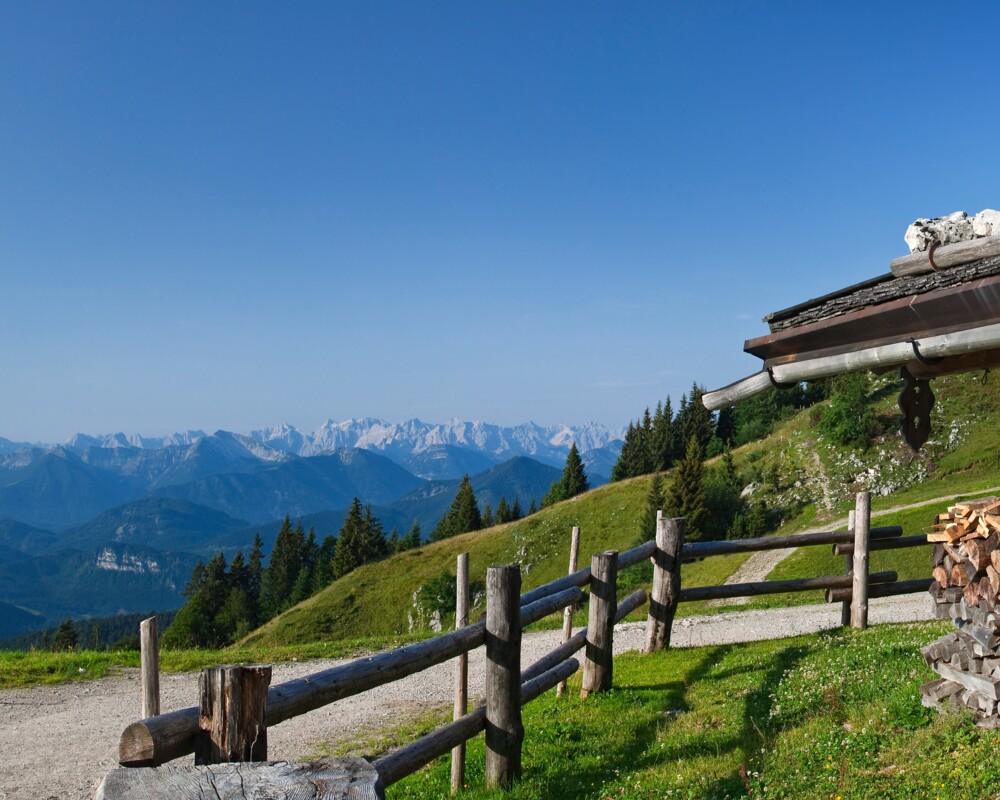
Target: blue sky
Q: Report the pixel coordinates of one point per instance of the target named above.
(233, 214)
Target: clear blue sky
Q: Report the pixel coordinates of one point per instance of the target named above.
(233, 214)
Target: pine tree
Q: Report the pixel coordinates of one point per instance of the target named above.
(283, 567)
(255, 576)
(350, 542)
(655, 501)
(393, 542)
(375, 545)
(65, 638)
(572, 482)
(412, 538)
(463, 516)
(323, 574)
(661, 440)
(698, 420)
(503, 511)
(515, 510)
(488, 517)
(533, 508)
(686, 496)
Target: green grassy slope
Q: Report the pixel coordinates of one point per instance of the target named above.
(803, 480)
(377, 599)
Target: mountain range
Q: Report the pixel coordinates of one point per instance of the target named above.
(106, 524)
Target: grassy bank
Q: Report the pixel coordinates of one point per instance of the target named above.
(834, 715)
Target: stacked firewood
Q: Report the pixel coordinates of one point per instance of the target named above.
(966, 587)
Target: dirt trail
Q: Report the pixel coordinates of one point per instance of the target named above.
(57, 742)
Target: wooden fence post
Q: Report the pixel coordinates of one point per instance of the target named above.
(232, 723)
(845, 607)
(859, 586)
(599, 661)
(504, 731)
(149, 659)
(666, 581)
(461, 669)
(574, 553)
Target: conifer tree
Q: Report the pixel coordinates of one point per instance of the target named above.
(351, 542)
(488, 517)
(65, 638)
(533, 507)
(625, 464)
(375, 545)
(463, 516)
(698, 421)
(283, 567)
(655, 501)
(661, 440)
(255, 576)
(503, 511)
(393, 543)
(572, 482)
(515, 509)
(412, 539)
(323, 574)
(686, 496)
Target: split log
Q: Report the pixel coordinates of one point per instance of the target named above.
(777, 587)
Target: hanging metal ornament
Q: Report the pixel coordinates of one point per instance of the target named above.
(915, 401)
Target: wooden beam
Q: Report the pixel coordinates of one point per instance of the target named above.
(666, 582)
(461, 669)
(599, 662)
(948, 255)
(504, 731)
(693, 550)
(883, 544)
(859, 585)
(776, 587)
(881, 590)
(149, 659)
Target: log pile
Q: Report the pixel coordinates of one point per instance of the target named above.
(966, 588)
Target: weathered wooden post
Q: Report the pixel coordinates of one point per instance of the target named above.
(149, 659)
(859, 586)
(599, 661)
(461, 669)
(504, 731)
(845, 606)
(666, 581)
(232, 721)
(574, 553)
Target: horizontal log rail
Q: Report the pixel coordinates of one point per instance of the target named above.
(882, 590)
(776, 587)
(883, 544)
(536, 679)
(398, 764)
(693, 550)
(156, 740)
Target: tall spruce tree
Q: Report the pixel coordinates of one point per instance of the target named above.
(502, 514)
(686, 495)
(351, 542)
(463, 516)
(283, 567)
(655, 501)
(661, 439)
(412, 539)
(572, 482)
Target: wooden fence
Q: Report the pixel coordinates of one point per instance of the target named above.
(509, 685)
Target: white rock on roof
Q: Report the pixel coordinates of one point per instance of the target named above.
(956, 227)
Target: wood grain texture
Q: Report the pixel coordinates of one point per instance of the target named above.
(149, 667)
(859, 586)
(461, 669)
(340, 779)
(504, 731)
(666, 582)
(232, 723)
(949, 255)
(598, 665)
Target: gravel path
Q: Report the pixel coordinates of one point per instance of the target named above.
(57, 742)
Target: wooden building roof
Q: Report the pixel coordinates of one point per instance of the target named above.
(936, 313)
